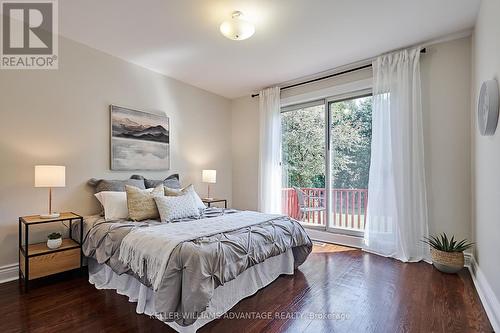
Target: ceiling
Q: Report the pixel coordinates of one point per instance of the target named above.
(293, 38)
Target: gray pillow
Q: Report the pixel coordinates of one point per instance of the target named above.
(171, 181)
(114, 184)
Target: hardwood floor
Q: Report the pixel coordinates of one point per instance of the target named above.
(360, 292)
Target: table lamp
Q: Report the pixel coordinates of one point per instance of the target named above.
(50, 176)
(210, 177)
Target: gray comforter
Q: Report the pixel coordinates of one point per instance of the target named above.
(196, 267)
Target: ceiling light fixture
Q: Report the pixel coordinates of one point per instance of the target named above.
(237, 28)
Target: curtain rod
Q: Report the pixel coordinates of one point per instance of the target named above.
(329, 76)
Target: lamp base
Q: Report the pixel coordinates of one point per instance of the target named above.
(207, 198)
(50, 216)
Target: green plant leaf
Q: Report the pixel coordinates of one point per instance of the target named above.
(442, 242)
(445, 243)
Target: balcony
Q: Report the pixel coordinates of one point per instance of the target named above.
(309, 206)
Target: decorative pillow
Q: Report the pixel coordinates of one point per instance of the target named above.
(174, 192)
(186, 190)
(115, 185)
(171, 181)
(141, 203)
(114, 203)
(176, 207)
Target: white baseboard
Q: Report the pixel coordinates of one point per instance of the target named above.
(490, 302)
(467, 259)
(9, 273)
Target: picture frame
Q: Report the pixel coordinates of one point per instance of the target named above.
(139, 140)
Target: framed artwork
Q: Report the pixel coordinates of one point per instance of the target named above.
(139, 140)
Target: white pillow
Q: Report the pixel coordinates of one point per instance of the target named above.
(176, 207)
(114, 204)
(186, 190)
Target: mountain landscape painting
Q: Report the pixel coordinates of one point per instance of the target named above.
(139, 140)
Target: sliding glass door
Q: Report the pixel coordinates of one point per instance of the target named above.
(349, 134)
(326, 161)
(303, 162)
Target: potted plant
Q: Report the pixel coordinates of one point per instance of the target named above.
(447, 254)
(54, 240)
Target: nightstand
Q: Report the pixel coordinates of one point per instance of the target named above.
(37, 260)
(209, 202)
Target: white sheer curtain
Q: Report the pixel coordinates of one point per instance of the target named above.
(397, 203)
(270, 151)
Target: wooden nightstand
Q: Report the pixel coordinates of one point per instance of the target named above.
(209, 202)
(37, 260)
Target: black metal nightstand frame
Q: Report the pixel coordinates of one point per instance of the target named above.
(209, 202)
(23, 248)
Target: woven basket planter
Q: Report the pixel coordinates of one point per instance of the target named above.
(447, 262)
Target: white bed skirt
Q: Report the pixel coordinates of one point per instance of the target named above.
(224, 298)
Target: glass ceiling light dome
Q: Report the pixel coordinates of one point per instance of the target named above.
(237, 28)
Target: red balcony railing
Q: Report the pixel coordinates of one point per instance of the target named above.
(348, 206)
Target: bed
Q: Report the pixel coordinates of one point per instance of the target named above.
(192, 271)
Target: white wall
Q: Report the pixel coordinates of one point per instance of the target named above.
(446, 77)
(445, 71)
(62, 117)
(486, 157)
(245, 151)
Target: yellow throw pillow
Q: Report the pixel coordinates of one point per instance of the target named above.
(141, 203)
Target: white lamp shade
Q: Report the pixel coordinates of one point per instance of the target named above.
(50, 176)
(209, 176)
